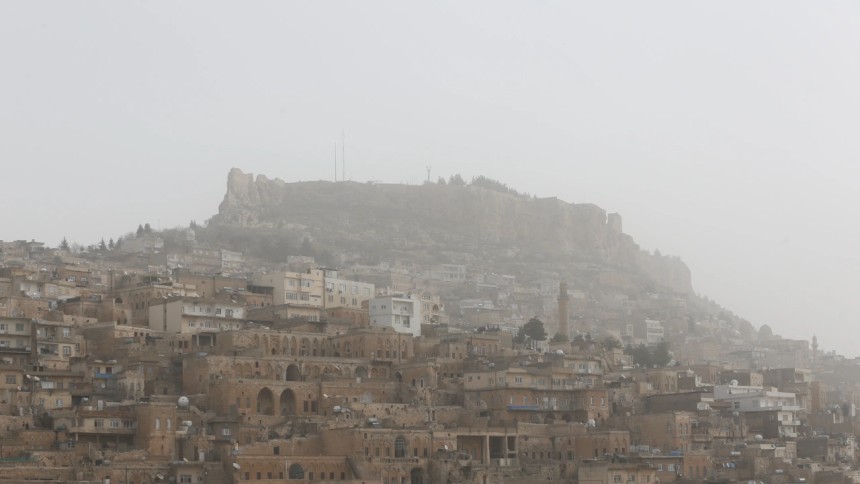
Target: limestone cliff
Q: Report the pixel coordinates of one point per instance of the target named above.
(443, 217)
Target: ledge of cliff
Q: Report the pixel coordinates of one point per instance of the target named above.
(419, 221)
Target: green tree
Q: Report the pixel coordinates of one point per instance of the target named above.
(64, 244)
(139, 230)
(641, 355)
(661, 356)
(111, 244)
(147, 228)
(532, 330)
(102, 244)
(611, 342)
(559, 338)
(457, 180)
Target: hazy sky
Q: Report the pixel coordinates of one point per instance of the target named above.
(723, 132)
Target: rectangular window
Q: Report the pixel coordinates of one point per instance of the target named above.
(186, 478)
(114, 424)
(225, 432)
(11, 379)
(19, 327)
(67, 332)
(67, 350)
(98, 423)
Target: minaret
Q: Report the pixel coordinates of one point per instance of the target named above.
(814, 350)
(562, 310)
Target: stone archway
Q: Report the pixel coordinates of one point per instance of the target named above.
(293, 373)
(287, 403)
(265, 402)
(416, 476)
(296, 472)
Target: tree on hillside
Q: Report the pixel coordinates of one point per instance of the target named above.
(102, 244)
(641, 355)
(457, 180)
(611, 342)
(111, 244)
(64, 244)
(533, 330)
(559, 338)
(307, 249)
(661, 356)
(139, 230)
(147, 229)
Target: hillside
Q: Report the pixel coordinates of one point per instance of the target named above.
(438, 222)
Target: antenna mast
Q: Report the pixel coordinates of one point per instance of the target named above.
(428, 173)
(335, 161)
(343, 154)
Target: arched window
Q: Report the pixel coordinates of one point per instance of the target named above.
(400, 447)
(169, 424)
(157, 423)
(296, 472)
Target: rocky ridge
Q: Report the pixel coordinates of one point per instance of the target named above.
(436, 218)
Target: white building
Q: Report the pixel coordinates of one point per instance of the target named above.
(755, 399)
(402, 313)
(770, 412)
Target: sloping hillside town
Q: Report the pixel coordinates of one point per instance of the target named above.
(159, 357)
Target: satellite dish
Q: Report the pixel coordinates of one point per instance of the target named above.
(236, 466)
(446, 446)
(733, 383)
(183, 401)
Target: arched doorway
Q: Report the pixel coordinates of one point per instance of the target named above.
(296, 471)
(287, 403)
(293, 373)
(361, 372)
(265, 402)
(416, 476)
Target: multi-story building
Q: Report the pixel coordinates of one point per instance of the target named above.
(304, 288)
(402, 313)
(345, 293)
(197, 319)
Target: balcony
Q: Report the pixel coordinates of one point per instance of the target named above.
(103, 430)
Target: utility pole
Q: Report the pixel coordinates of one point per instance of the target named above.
(428, 173)
(343, 154)
(335, 161)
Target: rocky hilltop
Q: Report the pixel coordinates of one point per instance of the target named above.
(423, 221)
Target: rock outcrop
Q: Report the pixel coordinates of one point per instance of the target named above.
(443, 217)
